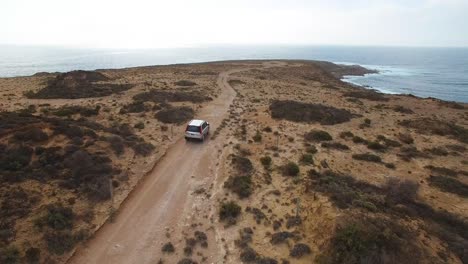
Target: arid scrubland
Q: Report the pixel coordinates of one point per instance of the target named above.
(315, 171)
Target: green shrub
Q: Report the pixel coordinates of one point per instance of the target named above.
(306, 112)
(257, 137)
(374, 145)
(290, 169)
(300, 250)
(168, 248)
(364, 241)
(185, 83)
(229, 211)
(240, 185)
(346, 134)
(318, 135)
(366, 94)
(59, 217)
(144, 149)
(242, 165)
(307, 159)
(367, 157)
(15, 158)
(59, 242)
(359, 140)
(334, 145)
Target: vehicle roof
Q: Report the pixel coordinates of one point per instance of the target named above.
(196, 122)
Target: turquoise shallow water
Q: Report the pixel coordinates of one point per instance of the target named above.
(426, 72)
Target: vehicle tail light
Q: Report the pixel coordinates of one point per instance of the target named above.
(201, 130)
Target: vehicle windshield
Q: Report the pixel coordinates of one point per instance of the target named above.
(193, 128)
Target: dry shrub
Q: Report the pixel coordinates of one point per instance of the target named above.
(400, 191)
(450, 185)
(242, 165)
(134, 107)
(166, 96)
(406, 138)
(402, 109)
(299, 250)
(437, 127)
(334, 145)
(367, 157)
(442, 171)
(185, 83)
(290, 169)
(229, 211)
(407, 153)
(240, 185)
(318, 135)
(371, 240)
(175, 115)
(306, 112)
(366, 94)
(78, 84)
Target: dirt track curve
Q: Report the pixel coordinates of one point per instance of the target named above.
(162, 202)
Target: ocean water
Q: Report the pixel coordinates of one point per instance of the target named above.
(426, 72)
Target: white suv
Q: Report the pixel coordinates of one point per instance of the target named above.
(197, 129)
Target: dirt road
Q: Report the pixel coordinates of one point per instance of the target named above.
(162, 205)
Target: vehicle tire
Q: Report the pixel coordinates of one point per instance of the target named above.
(202, 139)
(186, 139)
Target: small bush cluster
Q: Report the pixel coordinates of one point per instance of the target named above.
(407, 153)
(185, 83)
(367, 157)
(307, 159)
(334, 145)
(299, 250)
(364, 242)
(78, 84)
(437, 127)
(67, 111)
(406, 138)
(168, 248)
(318, 135)
(290, 169)
(57, 217)
(229, 211)
(175, 115)
(366, 94)
(157, 96)
(266, 161)
(134, 107)
(306, 112)
(450, 185)
(257, 137)
(240, 185)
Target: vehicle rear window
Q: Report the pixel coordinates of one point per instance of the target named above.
(193, 128)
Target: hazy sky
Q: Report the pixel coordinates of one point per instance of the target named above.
(176, 23)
